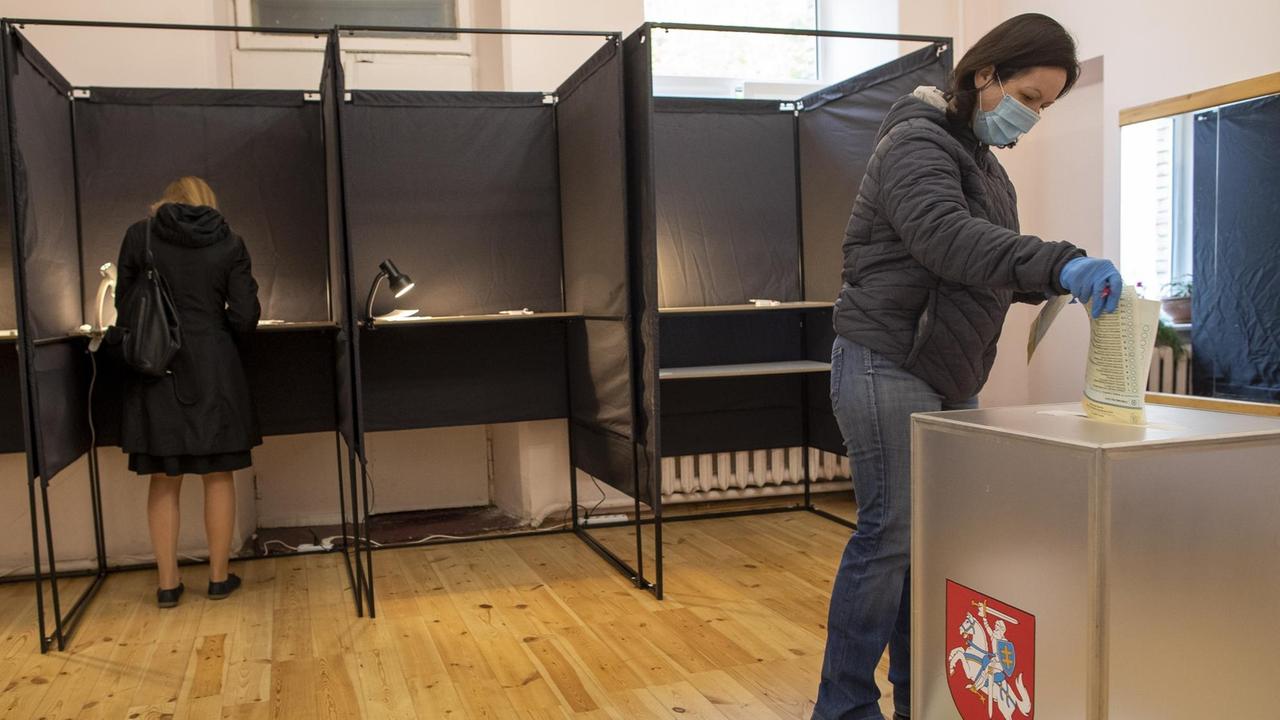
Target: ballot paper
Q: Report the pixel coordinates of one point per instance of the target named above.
(1120, 348)
(400, 315)
(1040, 327)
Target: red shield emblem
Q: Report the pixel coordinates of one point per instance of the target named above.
(991, 656)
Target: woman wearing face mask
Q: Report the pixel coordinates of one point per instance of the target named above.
(933, 258)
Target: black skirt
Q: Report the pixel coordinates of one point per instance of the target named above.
(174, 465)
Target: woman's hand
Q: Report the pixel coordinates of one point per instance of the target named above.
(1093, 280)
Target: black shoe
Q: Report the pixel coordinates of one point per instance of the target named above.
(220, 590)
(169, 598)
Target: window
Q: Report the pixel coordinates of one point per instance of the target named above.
(718, 64)
(1155, 213)
(388, 13)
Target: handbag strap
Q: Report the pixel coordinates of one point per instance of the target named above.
(151, 260)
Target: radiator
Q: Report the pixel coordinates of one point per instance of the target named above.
(751, 469)
(1170, 375)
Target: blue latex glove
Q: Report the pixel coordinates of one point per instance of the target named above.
(1094, 280)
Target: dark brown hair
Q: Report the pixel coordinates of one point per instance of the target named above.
(1014, 46)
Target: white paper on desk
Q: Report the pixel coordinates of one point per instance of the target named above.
(397, 314)
(1040, 327)
(1120, 348)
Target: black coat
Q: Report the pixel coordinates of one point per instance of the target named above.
(203, 406)
(932, 254)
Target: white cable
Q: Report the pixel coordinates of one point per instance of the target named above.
(374, 543)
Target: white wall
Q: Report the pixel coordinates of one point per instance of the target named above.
(124, 510)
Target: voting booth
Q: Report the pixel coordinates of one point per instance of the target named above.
(1070, 568)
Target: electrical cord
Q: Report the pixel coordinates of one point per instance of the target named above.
(603, 497)
(93, 381)
(419, 541)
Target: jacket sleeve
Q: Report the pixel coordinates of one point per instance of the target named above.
(922, 196)
(243, 309)
(1033, 298)
(127, 271)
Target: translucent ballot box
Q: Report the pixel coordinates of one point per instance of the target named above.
(1069, 568)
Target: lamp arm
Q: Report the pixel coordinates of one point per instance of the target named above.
(373, 290)
(107, 285)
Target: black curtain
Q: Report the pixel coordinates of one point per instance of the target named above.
(46, 245)
(837, 132)
(46, 199)
(592, 165)
(11, 437)
(261, 152)
(1235, 216)
(726, 202)
(460, 190)
(641, 216)
(341, 302)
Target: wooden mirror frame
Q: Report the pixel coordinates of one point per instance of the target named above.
(1213, 97)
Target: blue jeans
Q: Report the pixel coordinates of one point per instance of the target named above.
(873, 400)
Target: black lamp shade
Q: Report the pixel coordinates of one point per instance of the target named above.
(396, 280)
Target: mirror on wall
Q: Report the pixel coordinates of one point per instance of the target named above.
(1200, 231)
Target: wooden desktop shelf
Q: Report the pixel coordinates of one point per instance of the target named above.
(269, 326)
(789, 367)
(461, 319)
(720, 309)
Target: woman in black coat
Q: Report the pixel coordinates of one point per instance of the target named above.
(198, 419)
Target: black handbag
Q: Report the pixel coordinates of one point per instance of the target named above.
(152, 334)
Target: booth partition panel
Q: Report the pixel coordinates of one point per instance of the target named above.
(53, 367)
(353, 498)
(593, 227)
(598, 286)
(726, 202)
(261, 152)
(642, 230)
(50, 260)
(837, 131)
(460, 189)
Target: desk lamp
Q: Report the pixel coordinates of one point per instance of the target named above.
(106, 290)
(396, 280)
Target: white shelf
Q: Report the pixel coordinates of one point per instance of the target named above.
(789, 367)
(275, 325)
(459, 319)
(718, 309)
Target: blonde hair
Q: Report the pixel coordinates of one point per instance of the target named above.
(188, 190)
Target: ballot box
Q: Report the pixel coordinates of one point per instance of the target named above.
(1069, 568)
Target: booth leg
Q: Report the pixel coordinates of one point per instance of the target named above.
(357, 587)
(368, 560)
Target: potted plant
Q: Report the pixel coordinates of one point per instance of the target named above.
(1168, 336)
(1176, 301)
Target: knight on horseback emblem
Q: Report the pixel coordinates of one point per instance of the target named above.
(986, 651)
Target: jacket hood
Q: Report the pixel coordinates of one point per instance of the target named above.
(929, 103)
(190, 225)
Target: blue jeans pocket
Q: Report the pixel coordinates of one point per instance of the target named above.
(837, 372)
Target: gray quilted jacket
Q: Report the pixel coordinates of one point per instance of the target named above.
(932, 253)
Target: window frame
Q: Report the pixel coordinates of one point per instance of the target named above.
(460, 44)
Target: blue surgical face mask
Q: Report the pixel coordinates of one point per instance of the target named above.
(1006, 123)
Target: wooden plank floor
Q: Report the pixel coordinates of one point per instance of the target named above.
(530, 629)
